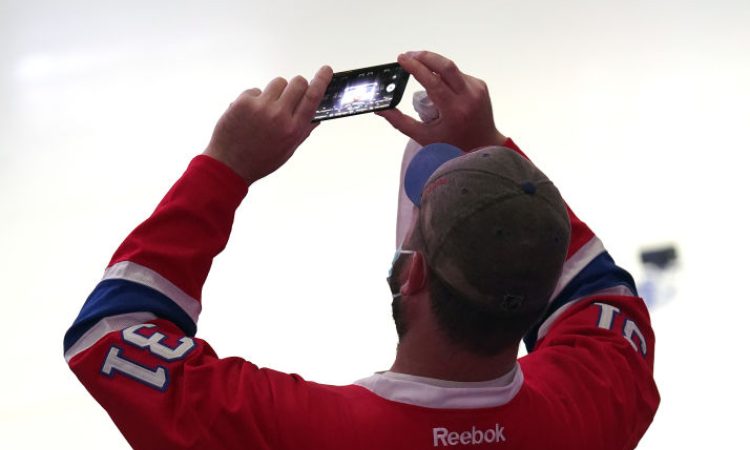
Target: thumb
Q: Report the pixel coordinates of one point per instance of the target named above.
(403, 123)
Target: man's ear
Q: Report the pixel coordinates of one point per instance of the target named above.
(416, 279)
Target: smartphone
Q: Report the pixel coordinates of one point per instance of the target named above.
(363, 90)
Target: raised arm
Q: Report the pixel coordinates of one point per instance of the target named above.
(594, 346)
(455, 123)
(132, 345)
(466, 121)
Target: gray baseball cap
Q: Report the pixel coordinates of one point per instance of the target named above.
(492, 226)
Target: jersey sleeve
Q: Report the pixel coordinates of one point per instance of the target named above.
(592, 354)
(160, 268)
(133, 347)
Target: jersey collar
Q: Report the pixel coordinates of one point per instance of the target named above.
(443, 394)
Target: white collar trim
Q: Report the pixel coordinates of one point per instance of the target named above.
(443, 394)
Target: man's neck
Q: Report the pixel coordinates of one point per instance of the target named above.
(445, 362)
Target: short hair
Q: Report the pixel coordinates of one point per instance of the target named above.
(474, 327)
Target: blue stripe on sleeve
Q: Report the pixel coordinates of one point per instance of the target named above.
(113, 297)
(601, 273)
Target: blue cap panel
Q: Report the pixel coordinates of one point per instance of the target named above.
(424, 164)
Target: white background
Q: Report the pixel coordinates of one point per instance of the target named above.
(639, 110)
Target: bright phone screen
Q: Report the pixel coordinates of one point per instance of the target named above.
(362, 90)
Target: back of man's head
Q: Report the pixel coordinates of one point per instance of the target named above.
(494, 232)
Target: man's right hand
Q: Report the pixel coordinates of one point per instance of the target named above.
(463, 102)
(261, 130)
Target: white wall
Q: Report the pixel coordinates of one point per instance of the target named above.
(638, 110)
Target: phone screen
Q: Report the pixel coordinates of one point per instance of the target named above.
(362, 91)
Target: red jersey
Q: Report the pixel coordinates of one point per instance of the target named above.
(587, 382)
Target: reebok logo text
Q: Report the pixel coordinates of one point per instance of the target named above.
(442, 437)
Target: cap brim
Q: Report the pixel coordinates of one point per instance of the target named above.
(423, 165)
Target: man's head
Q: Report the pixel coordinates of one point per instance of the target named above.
(493, 233)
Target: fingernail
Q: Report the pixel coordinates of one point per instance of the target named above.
(412, 54)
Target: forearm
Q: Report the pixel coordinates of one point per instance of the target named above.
(132, 344)
(161, 266)
(588, 270)
(597, 344)
(189, 227)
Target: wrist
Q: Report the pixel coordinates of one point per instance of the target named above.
(226, 159)
(490, 140)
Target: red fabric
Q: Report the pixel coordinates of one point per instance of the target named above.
(586, 386)
(189, 227)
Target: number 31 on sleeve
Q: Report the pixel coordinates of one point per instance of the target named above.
(158, 377)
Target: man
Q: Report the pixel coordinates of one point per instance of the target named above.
(489, 254)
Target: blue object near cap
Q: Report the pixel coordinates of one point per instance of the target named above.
(423, 165)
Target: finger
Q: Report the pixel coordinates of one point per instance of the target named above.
(405, 124)
(314, 93)
(251, 93)
(438, 91)
(444, 67)
(254, 92)
(274, 89)
(293, 93)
